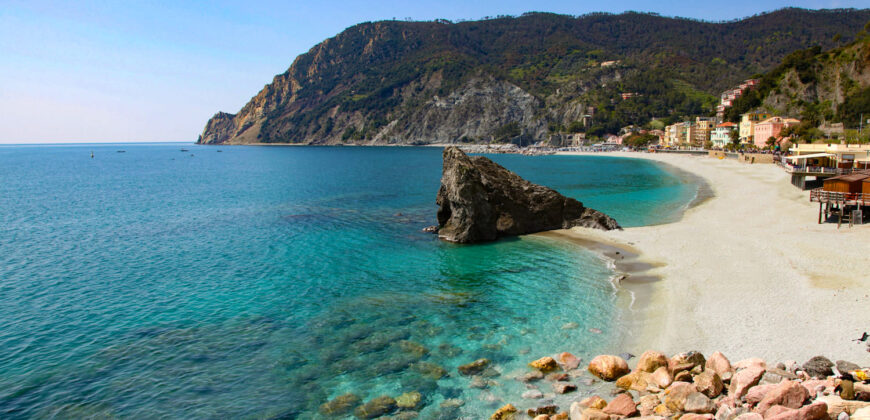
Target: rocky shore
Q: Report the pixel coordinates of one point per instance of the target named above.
(688, 386)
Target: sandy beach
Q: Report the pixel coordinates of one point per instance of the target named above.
(747, 272)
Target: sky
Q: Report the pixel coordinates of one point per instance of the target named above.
(122, 71)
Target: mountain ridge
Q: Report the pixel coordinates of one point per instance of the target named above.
(517, 79)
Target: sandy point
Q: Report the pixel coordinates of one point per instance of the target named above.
(747, 272)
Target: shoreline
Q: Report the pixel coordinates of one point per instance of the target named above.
(725, 276)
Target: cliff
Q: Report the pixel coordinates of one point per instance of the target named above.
(516, 79)
(816, 86)
(480, 200)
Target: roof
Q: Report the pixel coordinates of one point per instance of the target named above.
(810, 156)
(726, 124)
(849, 178)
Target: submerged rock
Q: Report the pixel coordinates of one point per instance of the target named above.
(474, 367)
(340, 405)
(375, 408)
(480, 200)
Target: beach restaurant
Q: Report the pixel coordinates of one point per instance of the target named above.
(831, 156)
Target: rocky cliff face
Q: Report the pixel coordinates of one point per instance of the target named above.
(513, 79)
(482, 201)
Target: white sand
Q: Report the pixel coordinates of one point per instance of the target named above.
(749, 272)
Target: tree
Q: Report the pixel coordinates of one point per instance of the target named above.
(771, 141)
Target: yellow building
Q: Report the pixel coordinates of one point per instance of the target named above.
(831, 155)
(747, 124)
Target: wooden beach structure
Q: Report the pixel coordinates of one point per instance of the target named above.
(845, 197)
(822, 161)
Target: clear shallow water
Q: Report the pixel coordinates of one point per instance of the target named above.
(261, 282)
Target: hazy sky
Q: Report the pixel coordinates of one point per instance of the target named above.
(156, 71)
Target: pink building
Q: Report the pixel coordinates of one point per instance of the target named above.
(771, 127)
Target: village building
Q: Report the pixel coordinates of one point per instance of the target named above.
(747, 125)
(721, 136)
(771, 128)
(703, 127)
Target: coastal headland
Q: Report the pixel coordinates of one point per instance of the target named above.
(747, 272)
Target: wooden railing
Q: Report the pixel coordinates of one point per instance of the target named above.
(819, 195)
(816, 169)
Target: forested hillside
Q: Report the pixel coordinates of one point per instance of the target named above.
(518, 78)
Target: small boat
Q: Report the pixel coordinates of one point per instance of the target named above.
(122, 151)
(184, 150)
(92, 155)
(220, 151)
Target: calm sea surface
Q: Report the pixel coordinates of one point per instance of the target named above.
(261, 282)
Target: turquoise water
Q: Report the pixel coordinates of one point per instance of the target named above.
(261, 282)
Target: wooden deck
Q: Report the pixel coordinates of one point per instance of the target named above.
(839, 204)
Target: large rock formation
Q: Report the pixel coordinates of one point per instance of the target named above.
(481, 201)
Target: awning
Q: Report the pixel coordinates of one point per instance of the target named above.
(810, 156)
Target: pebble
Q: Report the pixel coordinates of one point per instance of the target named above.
(533, 394)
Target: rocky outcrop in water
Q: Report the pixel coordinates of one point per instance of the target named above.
(481, 201)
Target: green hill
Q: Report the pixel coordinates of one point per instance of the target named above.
(517, 78)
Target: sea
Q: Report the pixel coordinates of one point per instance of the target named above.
(175, 281)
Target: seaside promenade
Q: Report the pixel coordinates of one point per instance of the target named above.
(747, 272)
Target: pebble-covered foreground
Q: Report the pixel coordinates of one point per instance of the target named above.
(689, 386)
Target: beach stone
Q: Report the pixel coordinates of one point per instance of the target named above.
(683, 376)
(847, 390)
(661, 377)
(341, 404)
(709, 383)
(751, 362)
(813, 386)
(844, 366)
(559, 416)
(626, 356)
(693, 416)
(430, 370)
(544, 409)
(622, 405)
(749, 416)
(507, 412)
(676, 394)
(532, 376)
(787, 394)
(663, 410)
(745, 379)
(545, 364)
(694, 358)
(593, 414)
(697, 402)
(819, 367)
(776, 410)
(570, 326)
(533, 394)
(650, 360)
(814, 411)
(557, 377)
(608, 367)
(376, 408)
(637, 380)
(564, 387)
(474, 367)
(837, 405)
(594, 402)
(409, 400)
(568, 361)
(647, 403)
(542, 417)
(843, 416)
(757, 393)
